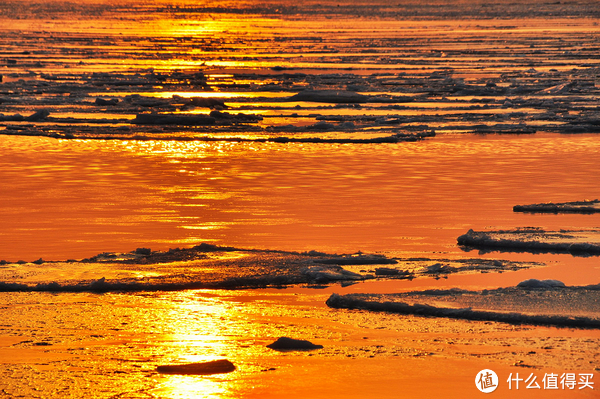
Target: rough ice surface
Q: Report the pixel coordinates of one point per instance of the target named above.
(202, 266)
(410, 268)
(326, 274)
(211, 266)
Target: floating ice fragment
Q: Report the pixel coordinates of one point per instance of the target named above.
(320, 274)
(387, 271)
(215, 367)
(558, 89)
(561, 207)
(143, 251)
(287, 344)
(329, 96)
(535, 283)
(576, 242)
(103, 102)
(439, 268)
(207, 102)
(12, 118)
(50, 287)
(161, 119)
(38, 116)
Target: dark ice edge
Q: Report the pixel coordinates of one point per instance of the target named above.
(564, 207)
(349, 302)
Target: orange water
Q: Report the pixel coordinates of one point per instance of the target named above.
(70, 199)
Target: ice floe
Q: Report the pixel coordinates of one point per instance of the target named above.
(587, 206)
(535, 283)
(576, 242)
(329, 96)
(210, 266)
(202, 266)
(538, 302)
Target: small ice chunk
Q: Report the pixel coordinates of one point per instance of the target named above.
(330, 96)
(104, 102)
(535, 283)
(285, 343)
(38, 116)
(215, 367)
(320, 275)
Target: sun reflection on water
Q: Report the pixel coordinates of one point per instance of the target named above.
(200, 327)
(188, 387)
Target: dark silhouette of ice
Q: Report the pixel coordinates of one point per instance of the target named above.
(329, 96)
(160, 119)
(103, 102)
(592, 206)
(290, 344)
(208, 368)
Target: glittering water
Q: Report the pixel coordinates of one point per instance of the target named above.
(69, 199)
